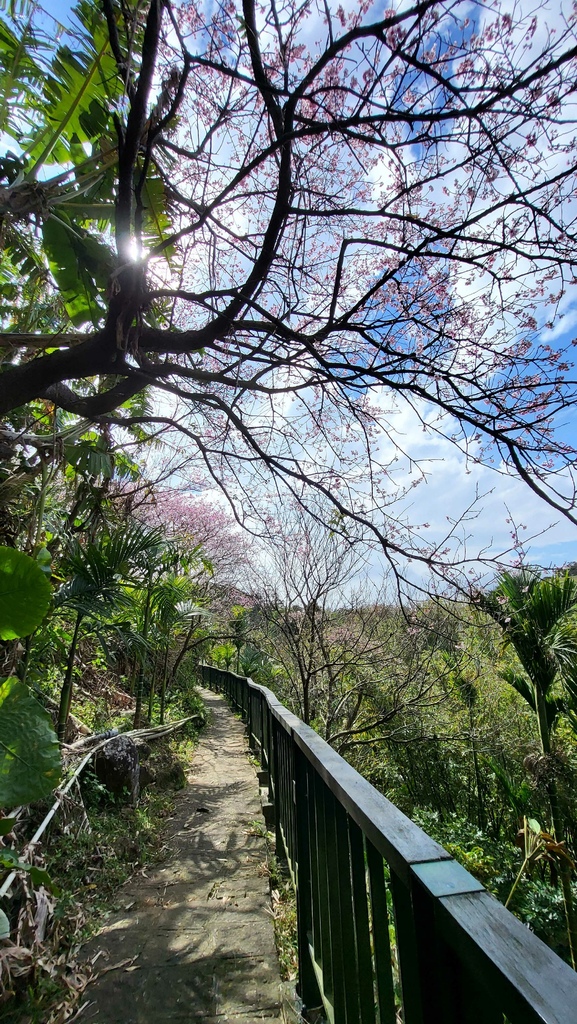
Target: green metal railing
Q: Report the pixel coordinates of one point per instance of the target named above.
(390, 927)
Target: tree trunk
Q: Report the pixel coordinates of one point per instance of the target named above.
(185, 648)
(140, 676)
(163, 686)
(66, 692)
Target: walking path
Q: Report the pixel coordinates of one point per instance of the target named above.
(195, 939)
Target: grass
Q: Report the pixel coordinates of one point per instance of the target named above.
(284, 912)
(283, 906)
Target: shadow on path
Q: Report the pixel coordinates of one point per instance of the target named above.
(198, 926)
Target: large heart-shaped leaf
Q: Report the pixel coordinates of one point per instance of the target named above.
(29, 752)
(24, 594)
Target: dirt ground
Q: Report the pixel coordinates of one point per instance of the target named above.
(194, 940)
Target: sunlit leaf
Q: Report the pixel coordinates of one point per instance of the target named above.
(24, 594)
(81, 266)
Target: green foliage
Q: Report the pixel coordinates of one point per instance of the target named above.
(223, 655)
(256, 664)
(96, 571)
(535, 615)
(519, 796)
(29, 755)
(25, 594)
(538, 847)
(495, 862)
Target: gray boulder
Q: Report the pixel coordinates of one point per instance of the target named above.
(117, 767)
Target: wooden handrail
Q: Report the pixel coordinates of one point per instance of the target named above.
(390, 927)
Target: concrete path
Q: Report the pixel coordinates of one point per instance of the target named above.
(195, 939)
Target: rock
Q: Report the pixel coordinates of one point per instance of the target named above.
(129, 849)
(171, 778)
(117, 767)
(146, 776)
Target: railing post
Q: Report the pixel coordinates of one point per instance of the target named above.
(451, 994)
(414, 1006)
(344, 924)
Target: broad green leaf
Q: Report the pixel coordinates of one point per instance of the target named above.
(157, 223)
(9, 858)
(65, 113)
(81, 266)
(6, 825)
(90, 457)
(44, 560)
(29, 752)
(25, 594)
(86, 211)
(4, 926)
(38, 876)
(19, 68)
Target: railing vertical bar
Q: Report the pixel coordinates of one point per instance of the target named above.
(275, 769)
(325, 951)
(281, 789)
(381, 939)
(307, 984)
(364, 959)
(289, 789)
(291, 799)
(408, 953)
(315, 936)
(258, 708)
(351, 975)
(335, 908)
(452, 994)
(260, 726)
(265, 727)
(287, 799)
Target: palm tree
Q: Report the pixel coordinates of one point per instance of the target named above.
(98, 575)
(169, 570)
(536, 616)
(159, 559)
(170, 594)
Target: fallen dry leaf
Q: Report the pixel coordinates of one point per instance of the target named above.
(117, 966)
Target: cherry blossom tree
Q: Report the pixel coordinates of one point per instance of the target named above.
(198, 522)
(351, 664)
(318, 218)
